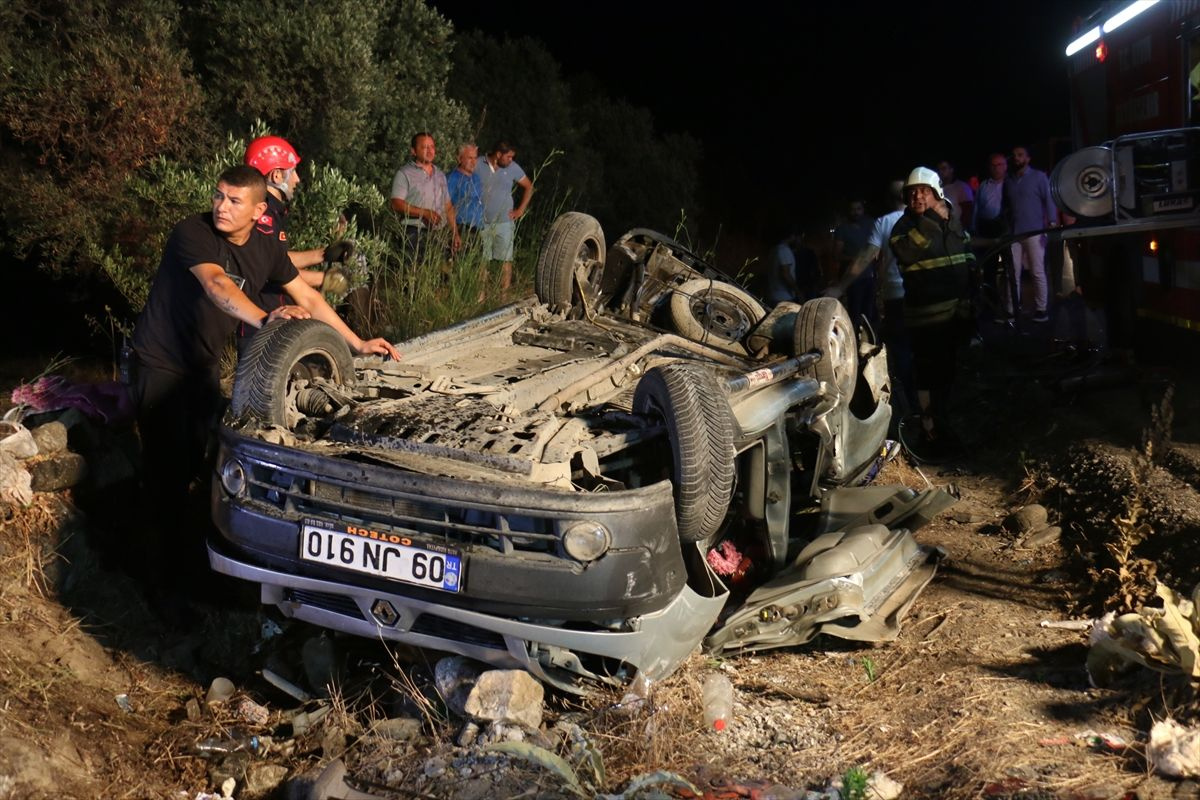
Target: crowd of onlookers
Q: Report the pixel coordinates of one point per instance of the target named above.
(944, 257)
(472, 203)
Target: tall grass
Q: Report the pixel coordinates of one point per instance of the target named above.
(418, 295)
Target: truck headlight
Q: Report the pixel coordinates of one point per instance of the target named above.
(586, 541)
(233, 477)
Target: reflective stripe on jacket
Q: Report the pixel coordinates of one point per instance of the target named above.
(934, 259)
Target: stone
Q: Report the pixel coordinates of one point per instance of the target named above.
(507, 695)
(398, 728)
(60, 471)
(455, 677)
(262, 779)
(967, 514)
(1030, 518)
(1047, 535)
(468, 735)
(50, 438)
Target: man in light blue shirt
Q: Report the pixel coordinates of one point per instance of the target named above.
(466, 190)
(498, 174)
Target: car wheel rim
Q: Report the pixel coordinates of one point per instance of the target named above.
(589, 271)
(841, 340)
(721, 316)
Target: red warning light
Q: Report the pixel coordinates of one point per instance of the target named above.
(1101, 52)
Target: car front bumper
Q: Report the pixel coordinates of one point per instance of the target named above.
(523, 602)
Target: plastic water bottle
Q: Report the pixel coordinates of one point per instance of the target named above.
(125, 361)
(717, 695)
(218, 746)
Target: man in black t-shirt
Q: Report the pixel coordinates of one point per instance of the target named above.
(213, 264)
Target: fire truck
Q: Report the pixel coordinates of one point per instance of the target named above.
(1133, 179)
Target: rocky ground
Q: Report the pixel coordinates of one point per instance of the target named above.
(978, 698)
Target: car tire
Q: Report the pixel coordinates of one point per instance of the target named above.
(705, 310)
(700, 425)
(823, 324)
(282, 352)
(575, 240)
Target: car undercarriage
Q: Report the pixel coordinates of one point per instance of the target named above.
(586, 484)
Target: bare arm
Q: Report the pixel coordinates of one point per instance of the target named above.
(311, 301)
(302, 259)
(225, 295)
(313, 277)
(526, 193)
(430, 216)
(452, 221)
(856, 268)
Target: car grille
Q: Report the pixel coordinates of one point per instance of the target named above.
(442, 628)
(395, 512)
(323, 600)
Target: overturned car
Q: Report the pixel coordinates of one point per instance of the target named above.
(585, 484)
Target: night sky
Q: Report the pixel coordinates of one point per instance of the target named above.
(802, 106)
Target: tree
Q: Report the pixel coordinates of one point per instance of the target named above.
(92, 91)
(516, 93)
(614, 164)
(649, 179)
(348, 83)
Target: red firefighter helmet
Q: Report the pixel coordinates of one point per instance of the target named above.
(271, 152)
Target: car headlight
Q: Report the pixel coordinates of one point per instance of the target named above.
(233, 477)
(586, 541)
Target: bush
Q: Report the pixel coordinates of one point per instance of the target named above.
(615, 163)
(92, 92)
(347, 83)
(167, 192)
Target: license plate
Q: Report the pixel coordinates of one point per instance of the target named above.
(381, 553)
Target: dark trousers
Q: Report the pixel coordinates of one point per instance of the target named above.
(176, 415)
(895, 336)
(935, 360)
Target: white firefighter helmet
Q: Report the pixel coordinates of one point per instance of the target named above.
(924, 176)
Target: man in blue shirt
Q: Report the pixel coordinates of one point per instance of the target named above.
(499, 173)
(1028, 193)
(466, 191)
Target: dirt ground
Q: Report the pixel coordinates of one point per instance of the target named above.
(99, 698)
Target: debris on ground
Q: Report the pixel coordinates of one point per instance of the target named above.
(1174, 750)
(976, 686)
(105, 401)
(1162, 639)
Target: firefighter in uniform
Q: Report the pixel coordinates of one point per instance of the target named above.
(277, 160)
(934, 256)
